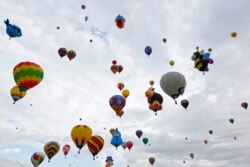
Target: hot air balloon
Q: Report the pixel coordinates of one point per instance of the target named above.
(155, 100)
(111, 131)
(244, 105)
(116, 139)
(139, 133)
(114, 62)
(184, 162)
(120, 21)
(205, 141)
(95, 145)
(164, 40)
(62, 52)
(66, 149)
(124, 145)
(12, 30)
(37, 158)
(235, 138)
(186, 138)
(83, 7)
(151, 160)
(173, 84)
(117, 103)
(114, 68)
(125, 93)
(233, 34)
(120, 68)
(86, 18)
(16, 93)
(145, 140)
(231, 120)
(192, 155)
(151, 82)
(51, 149)
(210, 131)
(148, 50)
(120, 86)
(71, 54)
(27, 75)
(109, 161)
(129, 144)
(80, 134)
(185, 103)
(171, 62)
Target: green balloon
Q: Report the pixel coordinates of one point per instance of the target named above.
(171, 62)
(145, 140)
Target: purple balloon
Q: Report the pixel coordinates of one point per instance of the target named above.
(124, 145)
(139, 133)
(210, 61)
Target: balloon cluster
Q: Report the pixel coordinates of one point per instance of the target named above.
(116, 68)
(82, 134)
(201, 60)
(26, 75)
(71, 54)
(139, 134)
(155, 100)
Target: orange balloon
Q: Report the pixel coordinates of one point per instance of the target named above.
(114, 68)
(234, 34)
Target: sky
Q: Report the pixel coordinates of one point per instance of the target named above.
(81, 88)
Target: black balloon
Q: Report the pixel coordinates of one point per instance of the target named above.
(184, 103)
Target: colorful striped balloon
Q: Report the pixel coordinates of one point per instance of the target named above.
(27, 75)
(117, 103)
(37, 158)
(95, 144)
(51, 149)
(80, 134)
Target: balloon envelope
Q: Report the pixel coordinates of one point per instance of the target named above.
(66, 149)
(148, 50)
(244, 105)
(231, 120)
(173, 84)
(129, 144)
(145, 140)
(51, 149)
(210, 131)
(125, 93)
(95, 144)
(139, 133)
(27, 75)
(192, 155)
(37, 158)
(151, 160)
(185, 103)
(80, 134)
(117, 103)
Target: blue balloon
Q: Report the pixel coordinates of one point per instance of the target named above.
(206, 55)
(148, 50)
(116, 139)
(12, 30)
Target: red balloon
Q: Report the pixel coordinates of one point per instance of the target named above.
(244, 105)
(129, 144)
(114, 62)
(66, 149)
(120, 68)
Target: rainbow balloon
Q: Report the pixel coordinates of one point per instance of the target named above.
(27, 75)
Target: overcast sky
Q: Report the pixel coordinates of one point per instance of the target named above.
(82, 88)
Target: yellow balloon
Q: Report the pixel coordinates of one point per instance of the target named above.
(16, 93)
(125, 93)
(112, 130)
(80, 135)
